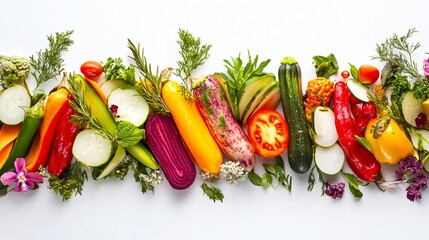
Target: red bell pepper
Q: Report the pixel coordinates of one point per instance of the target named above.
(65, 134)
(360, 160)
(363, 112)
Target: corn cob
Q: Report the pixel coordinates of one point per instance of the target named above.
(319, 93)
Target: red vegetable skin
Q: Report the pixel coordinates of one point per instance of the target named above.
(368, 74)
(363, 112)
(164, 141)
(65, 134)
(360, 160)
(92, 70)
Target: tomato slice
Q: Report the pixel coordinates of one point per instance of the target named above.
(268, 133)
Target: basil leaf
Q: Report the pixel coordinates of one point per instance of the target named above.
(354, 183)
(254, 178)
(354, 71)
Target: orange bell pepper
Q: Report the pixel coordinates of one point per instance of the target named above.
(40, 148)
(388, 141)
(202, 147)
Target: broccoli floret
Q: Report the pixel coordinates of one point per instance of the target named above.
(13, 70)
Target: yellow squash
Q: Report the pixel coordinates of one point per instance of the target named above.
(388, 141)
(202, 147)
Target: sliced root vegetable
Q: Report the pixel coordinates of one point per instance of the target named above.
(13, 104)
(358, 90)
(8, 133)
(4, 154)
(116, 160)
(411, 107)
(92, 149)
(131, 106)
(108, 86)
(97, 89)
(324, 126)
(329, 160)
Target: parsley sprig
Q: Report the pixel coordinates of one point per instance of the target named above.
(212, 192)
(70, 182)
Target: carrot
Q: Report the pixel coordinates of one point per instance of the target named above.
(8, 133)
(97, 89)
(4, 154)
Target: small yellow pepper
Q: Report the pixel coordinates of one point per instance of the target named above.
(388, 141)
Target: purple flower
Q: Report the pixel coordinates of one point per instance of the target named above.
(407, 167)
(23, 178)
(421, 120)
(114, 109)
(335, 191)
(420, 182)
(413, 193)
(426, 67)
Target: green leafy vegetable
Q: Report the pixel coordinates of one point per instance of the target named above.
(325, 66)
(115, 69)
(193, 55)
(71, 181)
(48, 64)
(212, 192)
(127, 134)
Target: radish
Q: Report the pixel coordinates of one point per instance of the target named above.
(329, 160)
(215, 111)
(324, 126)
(14, 103)
(132, 107)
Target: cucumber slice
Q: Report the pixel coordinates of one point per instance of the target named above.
(14, 103)
(108, 86)
(92, 149)
(116, 160)
(420, 135)
(131, 106)
(358, 90)
(329, 160)
(324, 126)
(411, 107)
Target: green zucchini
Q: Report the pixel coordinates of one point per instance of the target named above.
(300, 149)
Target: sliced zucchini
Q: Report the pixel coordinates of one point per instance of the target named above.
(257, 99)
(92, 149)
(324, 126)
(108, 86)
(329, 160)
(251, 90)
(411, 107)
(131, 106)
(358, 90)
(14, 103)
(420, 136)
(116, 160)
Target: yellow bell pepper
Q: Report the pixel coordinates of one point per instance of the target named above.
(202, 147)
(388, 141)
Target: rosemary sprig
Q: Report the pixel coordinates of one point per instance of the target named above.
(151, 86)
(48, 64)
(397, 52)
(193, 55)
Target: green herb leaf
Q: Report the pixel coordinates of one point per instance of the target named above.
(354, 71)
(48, 64)
(325, 66)
(267, 180)
(127, 134)
(212, 192)
(254, 178)
(364, 142)
(115, 69)
(311, 180)
(354, 183)
(70, 182)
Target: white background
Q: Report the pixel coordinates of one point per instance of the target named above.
(114, 209)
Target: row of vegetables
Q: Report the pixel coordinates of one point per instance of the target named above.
(116, 118)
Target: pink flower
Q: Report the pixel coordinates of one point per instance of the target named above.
(23, 178)
(426, 67)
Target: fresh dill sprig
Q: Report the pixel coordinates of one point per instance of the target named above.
(193, 55)
(70, 182)
(397, 51)
(152, 84)
(48, 63)
(212, 192)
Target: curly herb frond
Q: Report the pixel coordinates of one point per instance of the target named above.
(71, 182)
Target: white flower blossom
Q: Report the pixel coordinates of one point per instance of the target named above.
(233, 172)
(153, 177)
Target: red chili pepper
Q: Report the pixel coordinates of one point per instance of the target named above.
(363, 112)
(360, 160)
(65, 134)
